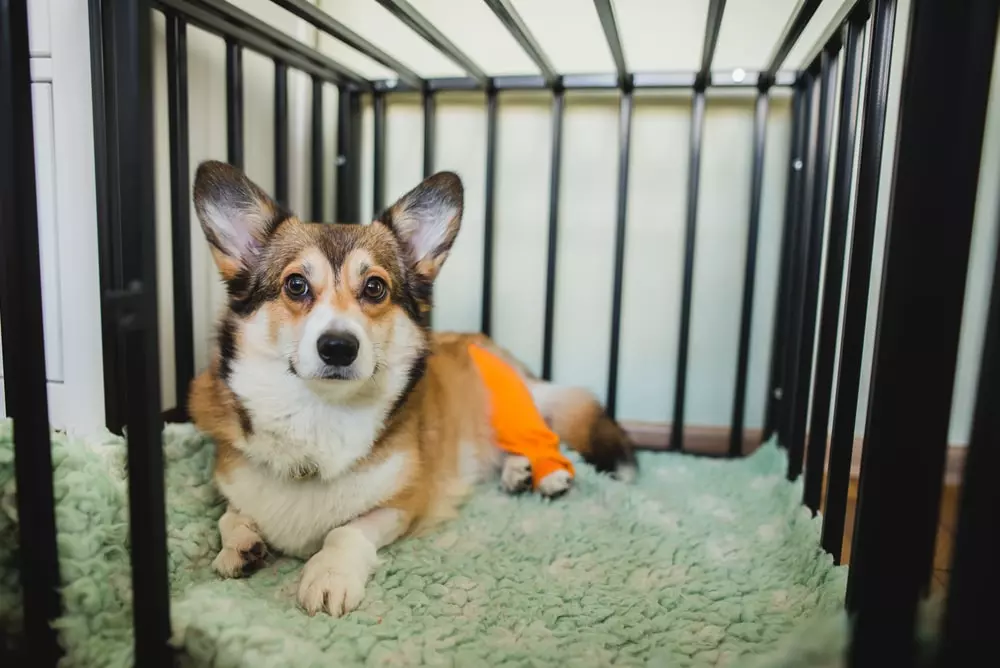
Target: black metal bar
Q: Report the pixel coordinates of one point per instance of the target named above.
(108, 223)
(508, 15)
(323, 21)
(23, 339)
(254, 34)
(789, 36)
(133, 309)
(429, 132)
(378, 155)
(920, 315)
(606, 13)
(430, 142)
(687, 289)
(317, 158)
(796, 264)
(406, 13)
(348, 157)
(234, 103)
(463, 83)
(836, 245)
(624, 149)
(749, 275)
(289, 45)
(180, 207)
(812, 257)
(968, 628)
(281, 133)
(852, 336)
(793, 189)
(713, 21)
(654, 80)
(491, 176)
(552, 253)
(651, 80)
(796, 267)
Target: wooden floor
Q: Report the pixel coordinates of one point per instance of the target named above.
(945, 536)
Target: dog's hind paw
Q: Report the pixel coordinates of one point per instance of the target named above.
(555, 484)
(516, 475)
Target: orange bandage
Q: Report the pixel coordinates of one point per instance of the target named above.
(517, 424)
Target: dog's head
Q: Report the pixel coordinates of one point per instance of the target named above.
(336, 304)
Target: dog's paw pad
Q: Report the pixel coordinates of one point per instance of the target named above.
(555, 484)
(516, 475)
(256, 552)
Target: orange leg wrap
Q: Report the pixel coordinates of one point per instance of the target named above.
(517, 424)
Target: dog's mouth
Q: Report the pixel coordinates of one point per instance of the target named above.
(343, 374)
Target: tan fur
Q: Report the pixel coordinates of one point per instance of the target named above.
(212, 408)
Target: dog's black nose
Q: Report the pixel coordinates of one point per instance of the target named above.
(337, 349)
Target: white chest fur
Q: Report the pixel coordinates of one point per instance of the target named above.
(313, 427)
(296, 426)
(295, 516)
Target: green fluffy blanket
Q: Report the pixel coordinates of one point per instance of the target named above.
(701, 562)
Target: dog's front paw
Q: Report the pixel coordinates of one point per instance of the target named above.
(242, 556)
(334, 578)
(516, 474)
(325, 588)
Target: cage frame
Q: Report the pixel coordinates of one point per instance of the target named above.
(893, 547)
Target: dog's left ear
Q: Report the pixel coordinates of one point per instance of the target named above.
(426, 221)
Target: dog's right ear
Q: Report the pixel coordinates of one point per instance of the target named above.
(236, 215)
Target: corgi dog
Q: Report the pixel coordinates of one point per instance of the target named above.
(341, 422)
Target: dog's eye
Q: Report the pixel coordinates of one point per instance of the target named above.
(296, 286)
(375, 289)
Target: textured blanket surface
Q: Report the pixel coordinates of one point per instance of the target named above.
(701, 562)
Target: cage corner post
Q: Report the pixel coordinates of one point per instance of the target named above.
(21, 313)
(123, 48)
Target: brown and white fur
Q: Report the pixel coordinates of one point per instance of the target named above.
(341, 423)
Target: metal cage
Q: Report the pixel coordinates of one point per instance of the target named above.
(942, 114)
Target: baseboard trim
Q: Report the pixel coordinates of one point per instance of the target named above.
(714, 442)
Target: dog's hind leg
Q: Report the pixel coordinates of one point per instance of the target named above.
(578, 418)
(243, 550)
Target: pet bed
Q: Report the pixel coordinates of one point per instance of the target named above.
(700, 562)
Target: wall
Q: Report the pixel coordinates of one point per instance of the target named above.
(67, 222)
